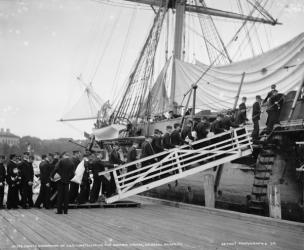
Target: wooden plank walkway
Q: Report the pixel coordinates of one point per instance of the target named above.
(151, 226)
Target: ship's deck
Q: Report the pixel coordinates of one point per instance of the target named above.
(151, 226)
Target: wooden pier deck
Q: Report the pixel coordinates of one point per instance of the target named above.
(151, 226)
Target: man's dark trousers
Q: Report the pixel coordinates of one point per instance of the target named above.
(63, 197)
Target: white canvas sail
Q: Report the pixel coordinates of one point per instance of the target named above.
(283, 66)
(157, 101)
(86, 108)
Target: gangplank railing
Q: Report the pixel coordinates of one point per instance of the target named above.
(177, 163)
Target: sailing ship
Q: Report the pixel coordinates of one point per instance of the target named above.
(184, 83)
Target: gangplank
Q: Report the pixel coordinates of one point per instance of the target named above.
(177, 163)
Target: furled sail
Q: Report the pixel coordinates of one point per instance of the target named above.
(109, 132)
(283, 66)
(157, 101)
(87, 107)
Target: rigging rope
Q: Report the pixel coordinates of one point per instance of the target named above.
(122, 56)
(106, 46)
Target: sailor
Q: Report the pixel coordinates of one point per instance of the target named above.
(65, 172)
(274, 109)
(115, 155)
(242, 113)
(256, 112)
(176, 138)
(13, 180)
(53, 190)
(27, 179)
(270, 93)
(74, 187)
(187, 132)
(167, 144)
(228, 121)
(202, 128)
(146, 151)
(45, 168)
(157, 141)
(96, 165)
(217, 126)
(132, 156)
(2, 179)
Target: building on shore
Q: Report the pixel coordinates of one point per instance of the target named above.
(6, 137)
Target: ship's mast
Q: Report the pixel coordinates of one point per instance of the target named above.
(178, 43)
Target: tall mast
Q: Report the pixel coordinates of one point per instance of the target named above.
(178, 42)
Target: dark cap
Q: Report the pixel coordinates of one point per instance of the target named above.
(12, 156)
(176, 125)
(169, 127)
(273, 86)
(258, 97)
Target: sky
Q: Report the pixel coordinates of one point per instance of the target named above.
(46, 44)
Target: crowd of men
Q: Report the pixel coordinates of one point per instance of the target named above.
(57, 170)
(55, 173)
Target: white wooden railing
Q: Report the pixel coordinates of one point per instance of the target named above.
(177, 163)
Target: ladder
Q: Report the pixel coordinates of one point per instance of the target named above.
(177, 163)
(262, 176)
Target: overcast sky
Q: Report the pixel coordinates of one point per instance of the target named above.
(45, 44)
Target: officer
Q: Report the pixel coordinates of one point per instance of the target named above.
(13, 180)
(74, 187)
(64, 170)
(27, 178)
(256, 113)
(45, 168)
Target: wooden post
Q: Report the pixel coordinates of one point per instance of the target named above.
(239, 91)
(274, 199)
(194, 87)
(218, 177)
(209, 190)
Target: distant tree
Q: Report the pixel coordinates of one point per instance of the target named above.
(5, 149)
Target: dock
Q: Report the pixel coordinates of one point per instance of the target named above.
(156, 224)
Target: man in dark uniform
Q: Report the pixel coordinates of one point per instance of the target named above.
(65, 172)
(274, 109)
(2, 179)
(157, 142)
(27, 178)
(53, 189)
(74, 187)
(96, 166)
(167, 144)
(256, 112)
(147, 150)
(217, 126)
(270, 93)
(45, 168)
(187, 131)
(176, 139)
(115, 156)
(132, 156)
(202, 128)
(13, 180)
(242, 113)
